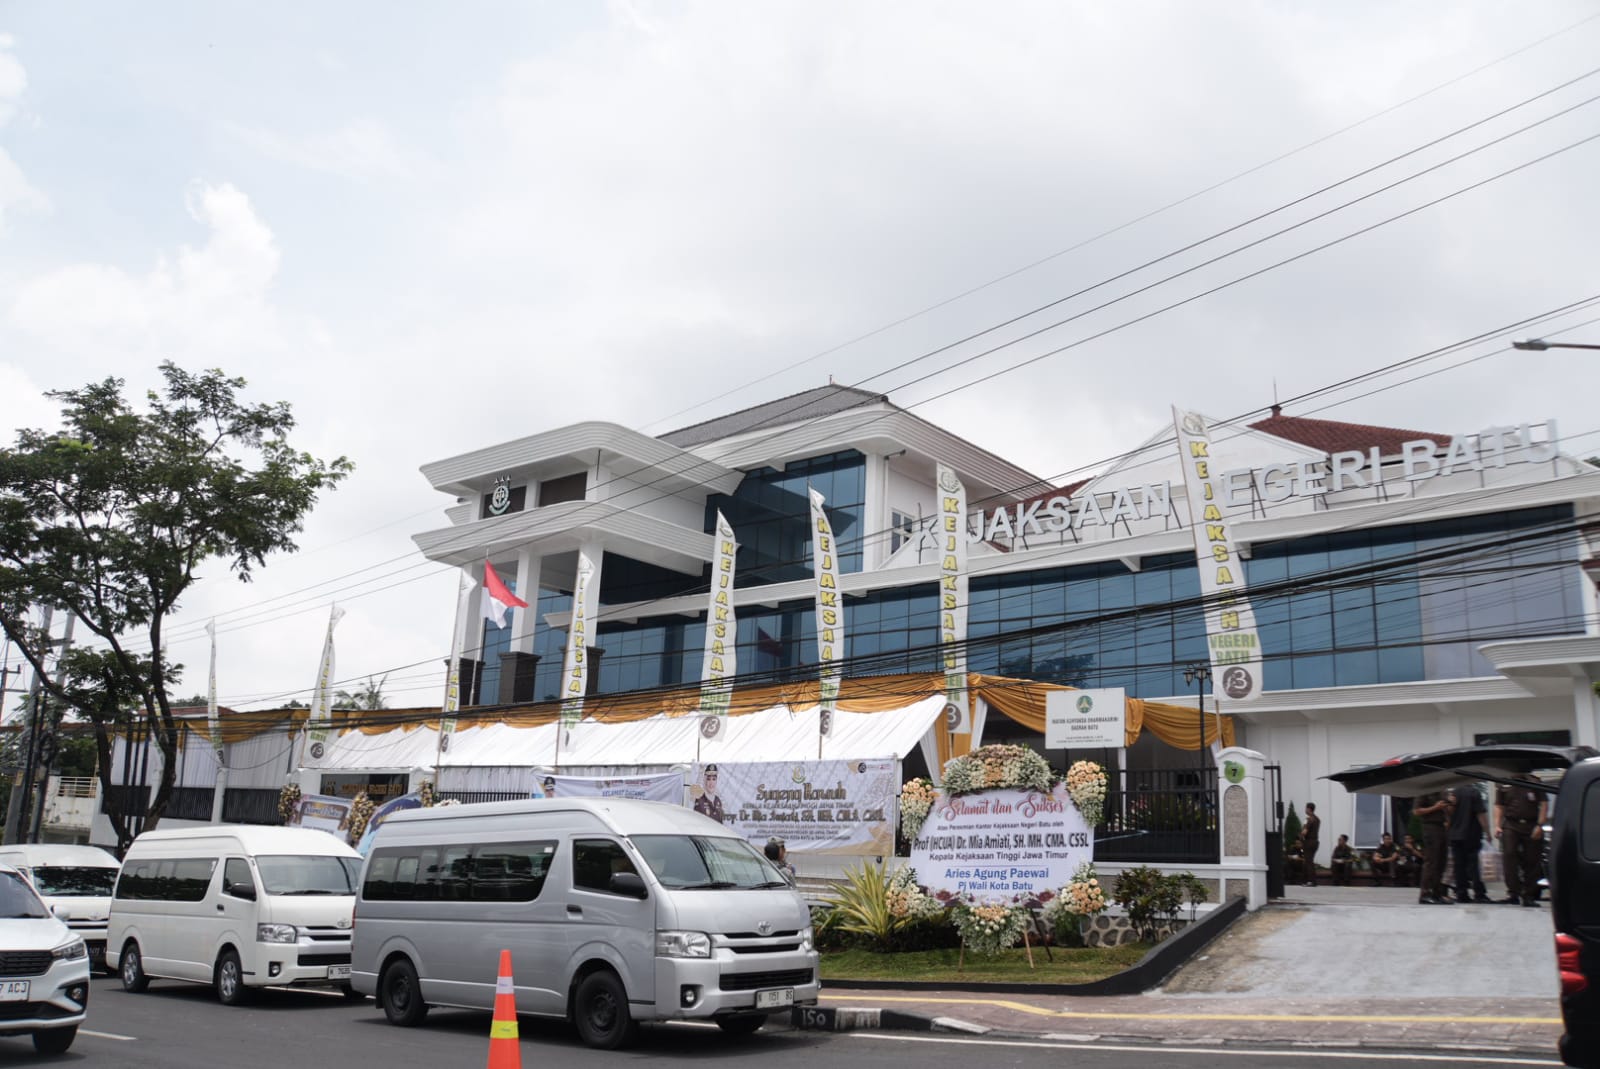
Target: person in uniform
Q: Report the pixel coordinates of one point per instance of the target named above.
(778, 854)
(1519, 825)
(1408, 866)
(709, 802)
(1469, 826)
(1342, 861)
(1433, 810)
(1385, 861)
(1310, 832)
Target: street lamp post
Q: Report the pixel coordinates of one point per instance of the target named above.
(1539, 345)
(1200, 671)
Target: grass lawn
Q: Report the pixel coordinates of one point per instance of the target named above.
(1071, 965)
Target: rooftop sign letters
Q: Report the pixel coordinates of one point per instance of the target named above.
(1239, 488)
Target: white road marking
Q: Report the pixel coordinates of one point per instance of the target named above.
(1237, 1052)
(106, 1035)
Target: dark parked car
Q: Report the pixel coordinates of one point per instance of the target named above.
(1572, 858)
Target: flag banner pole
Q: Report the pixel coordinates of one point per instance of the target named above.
(952, 520)
(721, 661)
(452, 686)
(318, 720)
(575, 668)
(1235, 645)
(830, 616)
(213, 722)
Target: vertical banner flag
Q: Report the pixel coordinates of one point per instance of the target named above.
(722, 651)
(830, 615)
(321, 714)
(575, 669)
(452, 686)
(953, 598)
(213, 725)
(1230, 621)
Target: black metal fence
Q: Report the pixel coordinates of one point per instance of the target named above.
(241, 805)
(469, 797)
(1166, 814)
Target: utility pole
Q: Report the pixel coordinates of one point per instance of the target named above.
(49, 741)
(19, 786)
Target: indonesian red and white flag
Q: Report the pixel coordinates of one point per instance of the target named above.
(497, 597)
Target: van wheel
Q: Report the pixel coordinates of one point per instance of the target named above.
(132, 969)
(351, 994)
(743, 1025)
(229, 980)
(54, 1040)
(401, 993)
(600, 1010)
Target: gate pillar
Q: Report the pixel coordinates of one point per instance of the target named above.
(1242, 824)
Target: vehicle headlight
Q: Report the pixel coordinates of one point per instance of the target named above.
(276, 933)
(70, 951)
(683, 945)
(805, 938)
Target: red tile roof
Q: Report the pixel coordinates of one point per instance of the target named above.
(1332, 436)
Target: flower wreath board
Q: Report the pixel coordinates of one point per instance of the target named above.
(1000, 830)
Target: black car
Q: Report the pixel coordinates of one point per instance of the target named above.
(1573, 854)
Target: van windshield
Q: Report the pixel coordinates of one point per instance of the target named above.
(17, 898)
(311, 874)
(66, 881)
(698, 862)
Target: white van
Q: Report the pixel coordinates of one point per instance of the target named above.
(235, 907)
(75, 882)
(614, 910)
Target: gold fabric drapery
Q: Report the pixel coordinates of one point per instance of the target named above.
(1021, 700)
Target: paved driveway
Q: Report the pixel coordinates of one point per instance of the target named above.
(1348, 942)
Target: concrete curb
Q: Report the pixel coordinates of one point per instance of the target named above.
(1149, 971)
(868, 1018)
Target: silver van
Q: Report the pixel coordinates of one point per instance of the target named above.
(615, 911)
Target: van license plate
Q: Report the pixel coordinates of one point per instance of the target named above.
(771, 1000)
(338, 972)
(14, 991)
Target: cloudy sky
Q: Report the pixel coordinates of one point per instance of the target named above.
(433, 227)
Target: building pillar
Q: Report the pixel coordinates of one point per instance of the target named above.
(1242, 824)
(525, 621)
(516, 677)
(1585, 711)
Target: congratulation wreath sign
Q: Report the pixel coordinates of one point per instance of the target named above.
(1000, 831)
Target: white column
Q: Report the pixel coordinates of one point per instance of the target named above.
(1242, 823)
(524, 621)
(875, 513)
(1585, 711)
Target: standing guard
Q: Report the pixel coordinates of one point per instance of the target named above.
(1519, 825)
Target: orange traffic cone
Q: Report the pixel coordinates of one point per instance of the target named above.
(504, 1050)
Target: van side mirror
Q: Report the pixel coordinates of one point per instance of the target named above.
(239, 890)
(59, 911)
(630, 884)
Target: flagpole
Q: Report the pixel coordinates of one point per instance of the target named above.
(452, 685)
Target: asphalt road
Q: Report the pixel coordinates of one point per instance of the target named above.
(181, 1026)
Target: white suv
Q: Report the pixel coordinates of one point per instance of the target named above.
(44, 969)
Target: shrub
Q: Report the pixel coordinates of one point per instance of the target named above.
(1149, 897)
(862, 906)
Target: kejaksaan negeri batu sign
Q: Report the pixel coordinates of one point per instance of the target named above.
(1002, 844)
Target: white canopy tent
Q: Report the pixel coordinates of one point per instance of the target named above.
(505, 758)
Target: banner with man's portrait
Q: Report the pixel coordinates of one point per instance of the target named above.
(819, 807)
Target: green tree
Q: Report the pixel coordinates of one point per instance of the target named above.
(112, 516)
(367, 696)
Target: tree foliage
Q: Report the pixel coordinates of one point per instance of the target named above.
(112, 516)
(368, 696)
